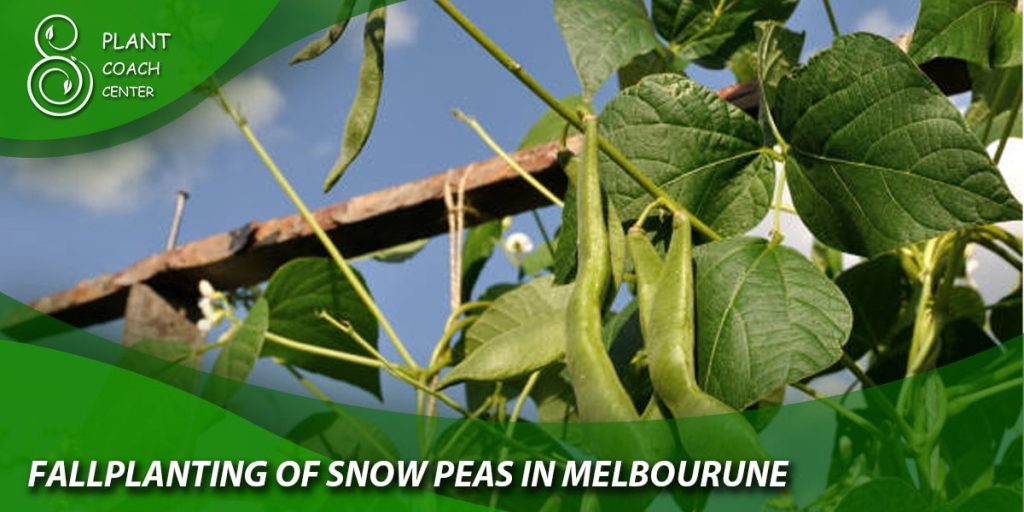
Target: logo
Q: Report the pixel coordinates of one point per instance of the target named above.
(59, 85)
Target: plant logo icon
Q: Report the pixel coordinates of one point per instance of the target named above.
(59, 85)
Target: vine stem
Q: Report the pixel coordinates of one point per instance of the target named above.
(324, 352)
(831, 18)
(1007, 130)
(855, 418)
(570, 115)
(391, 368)
(321, 235)
(531, 381)
(527, 177)
(320, 395)
(780, 189)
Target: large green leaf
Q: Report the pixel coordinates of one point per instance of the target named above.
(877, 290)
(778, 54)
(343, 437)
(551, 126)
(523, 331)
(703, 151)
(765, 318)
(984, 32)
(995, 93)
(710, 31)
(883, 495)
(171, 361)
(363, 113)
(1005, 317)
(296, 293)
(878, 157)
(603, 36)
(235, 361)
(476, 251)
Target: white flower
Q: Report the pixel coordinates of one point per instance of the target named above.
(204, 325)
(206, 306)
(206, 289)
(517, 246)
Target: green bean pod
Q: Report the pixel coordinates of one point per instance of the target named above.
(669, 332)
(599, 394)
(647, 265)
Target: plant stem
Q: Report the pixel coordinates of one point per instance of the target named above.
(831, 18)
(543, 230)
(510, 431)
(325, 240)
(1007, 130)
(780, 188)
(527, 177)
(531, 381)
(442, 344)
(959, 404)
(324, 352)
(347, 328)
(855, 418)
(569, 115)
(850, 364)
(320, 395)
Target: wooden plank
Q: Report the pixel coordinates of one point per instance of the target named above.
(382, 219)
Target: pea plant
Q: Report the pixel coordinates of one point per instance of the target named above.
(666, 181)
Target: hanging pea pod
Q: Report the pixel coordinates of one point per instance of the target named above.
(333, 34)
(648, 266)
(666, 299)
(599, 394)
(363, 113)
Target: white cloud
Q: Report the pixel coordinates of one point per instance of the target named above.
(118, 178)
(878, 20)
(402, 26)
(105, 180)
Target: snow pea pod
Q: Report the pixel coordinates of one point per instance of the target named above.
(599, 394)
(667, 297)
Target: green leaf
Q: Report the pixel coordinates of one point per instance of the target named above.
(765, 318)
(828, 260)
(883, 495)
(877, 290)
(476, 251)
(537, 262)
(235, 361)
(397, 254)
(743, 64)
(778, 54)
(323, 43)
(993, 499)
(363, 113)
(710, 32)
(699, 148)
(603, 36)
(995, 94)
(1005, 318)
(170, 361)
(343, 437)
(296, 293)
(551, 126)
(984, 32)
(878, 157)
(657, 61)
(522, 331)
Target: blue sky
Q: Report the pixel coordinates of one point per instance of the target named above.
(71, 218)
